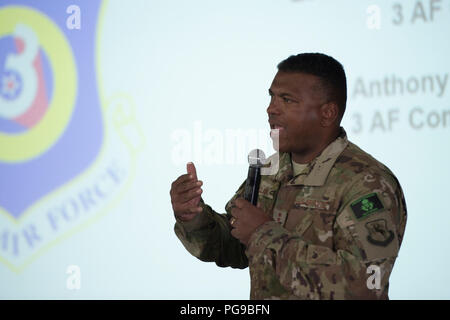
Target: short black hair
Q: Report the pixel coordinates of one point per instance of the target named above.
(329, 70)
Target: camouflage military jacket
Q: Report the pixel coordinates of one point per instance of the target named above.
(336, 231)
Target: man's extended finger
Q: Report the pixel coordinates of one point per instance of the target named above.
(190, 167)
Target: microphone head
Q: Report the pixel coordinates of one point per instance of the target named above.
(256, 158)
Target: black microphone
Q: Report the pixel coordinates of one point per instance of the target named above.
(256, 159)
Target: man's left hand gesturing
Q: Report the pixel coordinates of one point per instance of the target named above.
(246, 218)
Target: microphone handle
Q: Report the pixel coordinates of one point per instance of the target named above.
(252, 185)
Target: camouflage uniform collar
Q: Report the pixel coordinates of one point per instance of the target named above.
(318, 169)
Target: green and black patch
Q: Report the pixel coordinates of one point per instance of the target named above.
(366, 205)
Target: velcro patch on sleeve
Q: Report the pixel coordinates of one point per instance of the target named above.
(367, 205)
(376, 237)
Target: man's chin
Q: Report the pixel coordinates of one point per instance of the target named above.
(279, 144)
(281, 148)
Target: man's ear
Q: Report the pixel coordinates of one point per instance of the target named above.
(329, 113)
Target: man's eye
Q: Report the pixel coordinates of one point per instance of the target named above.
(287, 100)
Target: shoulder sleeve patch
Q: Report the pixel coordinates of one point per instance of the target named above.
(367, 205)
(377, 237)
(368, 224)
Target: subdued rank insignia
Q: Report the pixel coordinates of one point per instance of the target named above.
(280, 216)
(379, 234)
(366, 205)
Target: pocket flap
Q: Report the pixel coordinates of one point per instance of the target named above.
(320, 255)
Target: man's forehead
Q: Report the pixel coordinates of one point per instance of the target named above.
(294, 81)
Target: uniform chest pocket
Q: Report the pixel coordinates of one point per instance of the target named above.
(298, 220)
(313, 219)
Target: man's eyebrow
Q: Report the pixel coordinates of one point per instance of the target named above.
(284, 94)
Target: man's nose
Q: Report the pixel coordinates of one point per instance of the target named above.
(273, 107)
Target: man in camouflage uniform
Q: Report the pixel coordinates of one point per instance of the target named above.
(328, 224)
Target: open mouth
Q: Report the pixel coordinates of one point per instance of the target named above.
(276, 131)
(276, 128)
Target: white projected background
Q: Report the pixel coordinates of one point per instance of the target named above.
(198, 73)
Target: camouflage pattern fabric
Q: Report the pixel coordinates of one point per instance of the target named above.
(343, 214)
